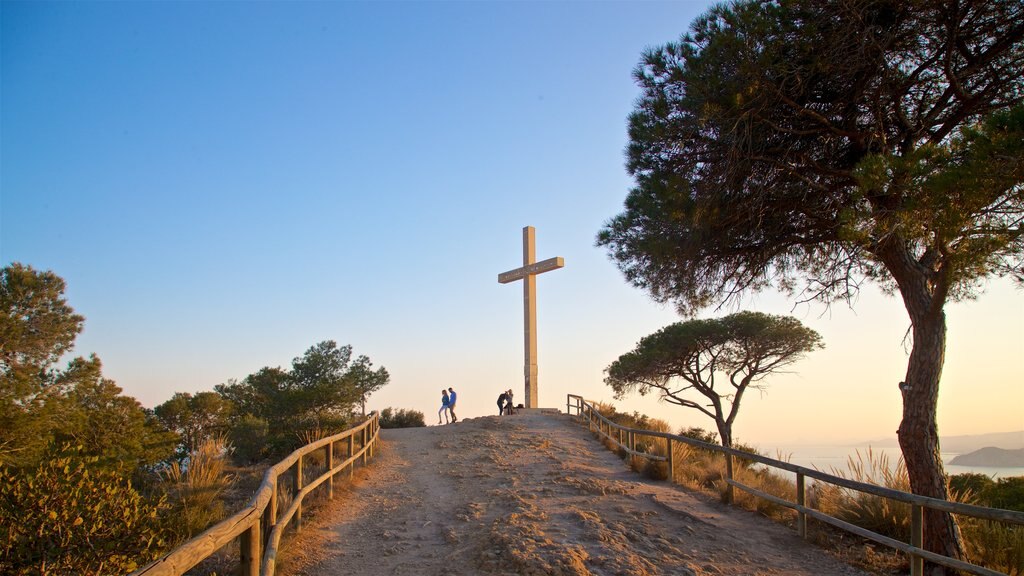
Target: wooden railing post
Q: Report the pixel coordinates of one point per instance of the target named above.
(916, 538)
(362, 446)
(729, 495)
(801, 499)
(671, 462)
(270, 514)
(351, 451)
(330, 466)
(249, 548)
(298, 488)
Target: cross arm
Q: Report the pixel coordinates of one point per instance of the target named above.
(533, 269)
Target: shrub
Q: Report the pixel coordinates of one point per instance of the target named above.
(699, 434)
(70, 517)
(401, 418)
(1007, 493)
(249, 437)
(995, 545)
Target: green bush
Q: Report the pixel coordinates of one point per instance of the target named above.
(70, 517)
(1007, 493)
(248, 437)
(401, 418)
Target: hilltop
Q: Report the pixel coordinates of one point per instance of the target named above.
(993, 457)
(534, 493)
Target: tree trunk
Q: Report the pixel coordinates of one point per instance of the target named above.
(919, 437)
(924, 290)
(725, 431)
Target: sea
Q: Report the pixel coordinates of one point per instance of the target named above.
(826, 457)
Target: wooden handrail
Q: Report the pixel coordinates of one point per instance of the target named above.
(248, 524)
(586, 409)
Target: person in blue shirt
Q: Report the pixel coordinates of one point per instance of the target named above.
(451, 404)
(445, 406)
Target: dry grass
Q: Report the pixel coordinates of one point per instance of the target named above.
(196, 489)
(995, 545)
(991, 544)
(882, 515)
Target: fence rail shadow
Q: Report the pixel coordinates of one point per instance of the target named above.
(258, 527)
(626, 439)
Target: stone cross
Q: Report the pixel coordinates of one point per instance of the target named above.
(528, 274)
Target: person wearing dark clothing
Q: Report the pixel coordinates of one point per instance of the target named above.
(502, 400)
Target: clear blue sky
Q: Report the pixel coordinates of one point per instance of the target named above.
(224, 184)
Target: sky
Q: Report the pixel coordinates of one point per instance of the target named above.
(224, 184)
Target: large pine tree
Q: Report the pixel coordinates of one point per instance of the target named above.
(810, 145)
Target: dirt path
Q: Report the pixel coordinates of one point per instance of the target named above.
(534, 494)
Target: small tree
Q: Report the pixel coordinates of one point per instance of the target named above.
(366, 379)
(37, 327)
(321, 391)
(743, 348)
(195, 418)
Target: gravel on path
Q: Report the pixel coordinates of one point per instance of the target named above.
(533, 494)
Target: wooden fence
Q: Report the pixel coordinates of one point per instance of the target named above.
(259, 527)
(626, 439)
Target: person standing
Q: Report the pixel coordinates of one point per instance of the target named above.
(501, 402)
(451, 404)
(445, 407)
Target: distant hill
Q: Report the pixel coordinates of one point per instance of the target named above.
(968, 443)
(990, 457)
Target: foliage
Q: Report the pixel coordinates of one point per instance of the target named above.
(808, 138)
(196, 419)
(69, 516)
(37, 327)
(248, 435)
(813, 145)
(95, 415)
(1005, 493)
(367, 380)
(744, 348)
(700, 434)
(1008, 493)
(41, 405)
(995, 545)
(262, 394)
(319, 392)
(194, 490)
(401, 418)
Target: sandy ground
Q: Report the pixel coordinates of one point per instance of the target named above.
(533, 494)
